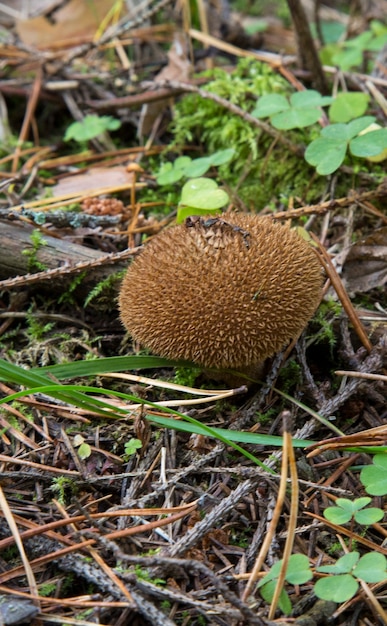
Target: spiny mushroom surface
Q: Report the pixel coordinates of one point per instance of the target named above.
(222, 292)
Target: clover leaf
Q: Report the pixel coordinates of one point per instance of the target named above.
(336, 588)
(298, 572)
(345, 510)
(201, 196)
(90, 127)
(171, 173)
(374, 477)
(328, 151)
(302, 109)
(347, 106)
(343, 584)
(371, 568)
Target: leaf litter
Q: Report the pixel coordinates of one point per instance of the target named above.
(173, 532)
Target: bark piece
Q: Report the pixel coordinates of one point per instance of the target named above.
(16, 242)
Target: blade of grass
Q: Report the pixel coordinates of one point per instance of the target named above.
(73, 398)
(233, 435)
(107, 365)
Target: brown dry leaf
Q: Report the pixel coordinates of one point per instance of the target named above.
(75, 22)
(366, 264)
(95, 178)
(179, 68)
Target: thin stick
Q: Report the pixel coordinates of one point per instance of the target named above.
(15, 532)
(362, 375)
(273, 525)
(292, 524)
(342, 294)
(30, 110)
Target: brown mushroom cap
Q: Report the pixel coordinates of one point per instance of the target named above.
(222, 292)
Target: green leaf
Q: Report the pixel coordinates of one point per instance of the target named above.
(198, 167)
(298, 571)
(371, 568)
(343, 565)
(339, 132)
(326, 154)
(203, 193)
(267, 593)
(369, 516)
(336, 588)
(222, 156)
(170, 173)
(348, 105)
(270, 104)
(347, 58)
(346, 509)
(370, 144)
(332, 31)
(378, 28)
(359, 503)
(356, 126)
(309, 98)
(336, 515)
(90, 127)
(296, 118)
(182, 162)
(131, 446)
(187, 211)
(374, 477)
(84, 451)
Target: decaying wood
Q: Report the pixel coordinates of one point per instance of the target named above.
(61, 257)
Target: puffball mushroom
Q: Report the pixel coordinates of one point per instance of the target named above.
(221, 292)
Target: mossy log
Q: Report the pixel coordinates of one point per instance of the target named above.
(21, 255)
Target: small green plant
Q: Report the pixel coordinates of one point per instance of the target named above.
(33, 264)
(62, 487)
(348, 131)
(374, 477)
(47, 589)
(350, 53)
(343, 582)
(83, 448)
(200, 196)
(347, 106)
(68, 295)
(131, 448)
(36, 329)
(186, 376)
(328, 152)
(171, 173)
(104, 291)
(90, 127)
(327, 312)
(143, 574)
(298, 573)
(346, 510)
(303, 108)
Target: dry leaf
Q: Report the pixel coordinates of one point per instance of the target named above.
(75, 22)
(93, 179)
(178, 68)
(366, 264)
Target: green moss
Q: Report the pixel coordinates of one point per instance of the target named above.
(270, 173)
(328, 311)
(105, 292)
(33, 264)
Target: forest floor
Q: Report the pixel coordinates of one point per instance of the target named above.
(123, 498)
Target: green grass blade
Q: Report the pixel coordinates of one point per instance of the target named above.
(109, 364)
(232, 435)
